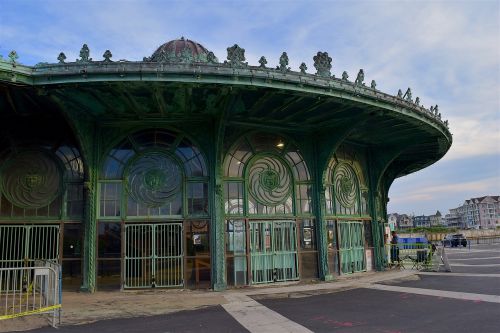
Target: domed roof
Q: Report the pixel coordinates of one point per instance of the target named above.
(182, 50)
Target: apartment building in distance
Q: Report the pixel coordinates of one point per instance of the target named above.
(481, 213)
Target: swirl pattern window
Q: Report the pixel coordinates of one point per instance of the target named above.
(265, 174)
(33, 181)
(345, 190)
(154, 173)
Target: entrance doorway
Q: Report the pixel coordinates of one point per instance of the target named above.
(154, 255)
(351, 247)
(273, 251)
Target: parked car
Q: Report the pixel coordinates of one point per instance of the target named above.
(454, 240)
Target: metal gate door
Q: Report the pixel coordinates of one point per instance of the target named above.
(273, 251)
(351, 247)
(153, 255)
(21, 245)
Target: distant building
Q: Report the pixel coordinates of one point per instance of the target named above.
(392, 221)
(482, 212)
(405, 221)
(436, 220)
(455, 219)
(421, 221)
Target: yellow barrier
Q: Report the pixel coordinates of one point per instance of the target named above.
(26, 313)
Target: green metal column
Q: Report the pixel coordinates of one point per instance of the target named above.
(90, 213)
(217, 230)
(378, 242)
(319, 211)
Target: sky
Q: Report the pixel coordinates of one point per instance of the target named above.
(448, 52)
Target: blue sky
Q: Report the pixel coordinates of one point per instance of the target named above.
(448, 52)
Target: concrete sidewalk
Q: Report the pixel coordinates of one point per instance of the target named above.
(79, 308)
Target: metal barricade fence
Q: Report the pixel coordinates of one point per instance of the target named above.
(31, 290)
(410, 255)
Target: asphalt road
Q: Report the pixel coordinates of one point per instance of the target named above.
(366, 310)
(465, 300)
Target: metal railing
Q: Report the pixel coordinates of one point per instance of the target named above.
(31, 290)
(410, 255)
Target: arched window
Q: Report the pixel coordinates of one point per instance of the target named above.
(265, 174)
(154, 173)
(35, 180)
(346, 192)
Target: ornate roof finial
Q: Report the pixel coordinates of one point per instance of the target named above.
(323, 64)
(407, 95)
(84, 54)
(400, 94)
(107, 56)
(211, 58)
(13, 57)
(345, 76)
(283, 63)
(360, 78)
(262, 62)
(417, 101)
(373, 85)
(236, 56)
(303, 68)
(61, 57)
(436, 110)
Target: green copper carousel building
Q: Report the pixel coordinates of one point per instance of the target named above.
(184, 171)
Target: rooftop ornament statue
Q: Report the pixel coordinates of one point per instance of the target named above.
(360, 78)
(262, 62)
(61, 58)
(436, 110)
(400, 94)
(417, 101)
(373, 85)
(211, 58)
(107, 56)
(236, 57)
(283, 63)
(408, 95)
(432, 109)
(13, 57)
(345, 76)
(303, 68)
(84, 54)
(323, 64)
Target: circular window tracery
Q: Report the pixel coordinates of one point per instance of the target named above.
(31, 179)
(153, 178)
(269, 181)
(345, 185)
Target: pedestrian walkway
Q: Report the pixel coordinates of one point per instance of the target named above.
(255, 317)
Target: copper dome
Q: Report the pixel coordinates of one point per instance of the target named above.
(182, 50)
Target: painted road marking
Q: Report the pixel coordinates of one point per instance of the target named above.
(479, 265)
(438, 293)
(257, 318)
(460, 274)
(474, 258)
